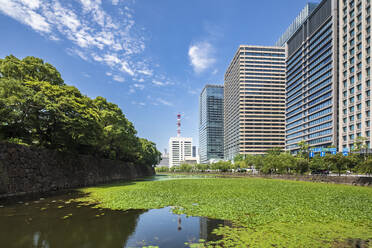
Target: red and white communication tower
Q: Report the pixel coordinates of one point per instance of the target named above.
(179, 125)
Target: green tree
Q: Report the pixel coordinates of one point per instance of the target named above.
(338, 162)
(29, 69)
(365, 166)
(304, 149)
(302, 165)
(318, 163)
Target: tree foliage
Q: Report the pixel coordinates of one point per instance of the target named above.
(37, 108)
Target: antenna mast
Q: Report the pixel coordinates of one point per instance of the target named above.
(179, 125)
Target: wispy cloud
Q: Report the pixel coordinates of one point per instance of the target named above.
(95, 35)
(201, 56)
(139, 86)
(118, 78)
(141, 104)
(164, 102)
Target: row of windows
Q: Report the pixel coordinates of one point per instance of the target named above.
(263, 54)
(328, 124)
(320, 99)
(324, 58)
(322, 46)
(294, 96)
(294, 117)
(320, 32)
(320, 79)
(261, 58)
(320, 72)
(320, 106)
(294, 106)
(320, 120)
(274, 78)
(320, 140)
(294, 129)
(293, 112)
(320, 92)
(294, 123)
(295, 101)
(262, 49)
(294, 135)
(319, 86)
(294, 140)
(261, 86)
(263, 74)
(264, 66)
(313, 44)
(293, 59)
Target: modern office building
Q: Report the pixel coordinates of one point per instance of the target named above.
(211, 123)
(194, 151)
(354, 72)
(312, 79)
(298, 21)
(254, 101)
(179, 149)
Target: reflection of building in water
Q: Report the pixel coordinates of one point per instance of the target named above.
(208, 225)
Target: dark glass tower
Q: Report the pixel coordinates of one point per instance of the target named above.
(211, 123)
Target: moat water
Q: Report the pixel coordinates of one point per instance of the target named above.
(61, 222)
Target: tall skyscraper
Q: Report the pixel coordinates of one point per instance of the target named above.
(254, 101)
(354, 72)
(179, 150)
(211, 123)
(328, 76)
(312, 79)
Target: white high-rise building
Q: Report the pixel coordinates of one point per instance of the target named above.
(179, 149)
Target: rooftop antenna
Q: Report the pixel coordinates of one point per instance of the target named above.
(179, 125)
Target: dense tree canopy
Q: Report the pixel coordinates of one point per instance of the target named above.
(37, 108)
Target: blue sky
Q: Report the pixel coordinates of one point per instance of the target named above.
(151, 57)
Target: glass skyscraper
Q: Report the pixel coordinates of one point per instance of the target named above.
(211, 123)
(312, 80)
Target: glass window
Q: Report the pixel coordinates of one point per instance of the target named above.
(359, 97)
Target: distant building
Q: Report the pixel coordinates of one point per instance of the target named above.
(190, 160)
(194, 151)
(254, 101)
(179, 149)
(211, 123)
(164, 160)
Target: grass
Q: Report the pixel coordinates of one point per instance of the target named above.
(265, 212)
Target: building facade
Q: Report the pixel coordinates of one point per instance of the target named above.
(355, 73)
(254, 101)
(298, 21)
(179, 149)
(211, 123)
(312, 80)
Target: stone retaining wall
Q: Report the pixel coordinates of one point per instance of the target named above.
(33, 170)
(351, 180)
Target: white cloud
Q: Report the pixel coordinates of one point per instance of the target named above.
(141, 104)
(201, 56)
(158, 83)
(95, 35)
(118, 78)
(24, 12)
(163, 82)
(139, 86)
(164, 102)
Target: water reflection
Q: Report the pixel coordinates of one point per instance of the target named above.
(57, 222)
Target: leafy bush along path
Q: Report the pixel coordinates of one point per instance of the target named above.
(267, 212)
